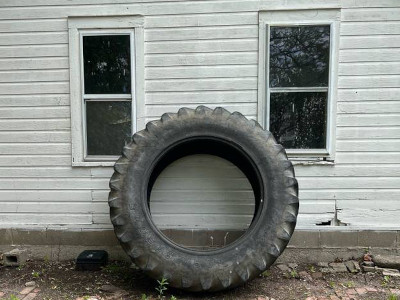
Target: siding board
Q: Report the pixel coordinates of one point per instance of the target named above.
(375, 94)
(34, 100)
(40, 63)
(369, 55)
(230, 58)
(230, 45)
(45, 195)
(24, 26)
(366, 69)
(33, 38)
(42, 112)
(37, 148)
(349, 133)
(370, 42)
(368, 120)
(201, 33)
(185, 85)
(34, 75)
(34, 51)
(202, 97)
(190, 72)
(35, 137)
(369, 28)
(35, 124)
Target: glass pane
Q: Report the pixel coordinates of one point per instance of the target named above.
(298, 120)
(108, 126)
(299, 56)
(107, 66)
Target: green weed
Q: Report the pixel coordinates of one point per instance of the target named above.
(162, 287)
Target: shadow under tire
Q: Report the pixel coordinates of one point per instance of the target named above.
(230, 136)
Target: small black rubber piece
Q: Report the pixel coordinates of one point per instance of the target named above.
(228, 135)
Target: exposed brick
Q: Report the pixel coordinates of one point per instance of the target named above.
(361, 291)
(30, 296)
(371, 289)
(27, 290)
(351, 292)
(395, 291)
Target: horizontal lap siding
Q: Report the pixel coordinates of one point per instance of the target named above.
(368, 118)
(196, 52)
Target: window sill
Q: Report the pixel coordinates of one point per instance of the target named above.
(94, 164)
(310, 161)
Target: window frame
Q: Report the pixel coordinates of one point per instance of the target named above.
(268, 19)
(97, 26)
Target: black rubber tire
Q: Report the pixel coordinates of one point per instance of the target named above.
(254, 150)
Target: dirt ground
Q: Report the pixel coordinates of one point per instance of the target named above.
(119, 281)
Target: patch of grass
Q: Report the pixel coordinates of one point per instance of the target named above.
(12, 297)
(332, 284)
(35, 274)
(144, 297)
(266, 273)
(294, 274)
(312, 269)
(385, 281)
(173, 298)
(392, 297)
(349, 284)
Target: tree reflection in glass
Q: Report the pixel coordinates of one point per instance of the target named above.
(108, 125)
(298, 120)
(107, 64)
(299, 56)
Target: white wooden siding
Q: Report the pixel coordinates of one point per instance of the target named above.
(196, 52)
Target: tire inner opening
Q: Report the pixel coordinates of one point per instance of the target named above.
(204, 193)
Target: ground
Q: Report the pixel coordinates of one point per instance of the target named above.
(60, 280)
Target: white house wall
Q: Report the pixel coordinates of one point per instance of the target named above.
(196, 52)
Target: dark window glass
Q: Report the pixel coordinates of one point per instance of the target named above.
(107, 65)
(298, 120)
(108, 125)
(299, 56)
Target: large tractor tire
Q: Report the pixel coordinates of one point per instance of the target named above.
(216, 132)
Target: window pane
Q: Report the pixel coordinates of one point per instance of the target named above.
(298, 120)
(107, 66)
(108, 126)
(299, 56)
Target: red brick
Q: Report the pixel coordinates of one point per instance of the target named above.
(333, 297)
(1, 294)
(30, 296)
(395, 291)
(361, 291)
(27, 290)
(351, 292)
(371, 289)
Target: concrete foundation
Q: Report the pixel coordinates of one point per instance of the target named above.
(304, 247)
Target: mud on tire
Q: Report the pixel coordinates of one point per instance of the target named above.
(215, 132)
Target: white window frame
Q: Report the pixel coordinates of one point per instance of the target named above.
(289, 18)
(95, 26)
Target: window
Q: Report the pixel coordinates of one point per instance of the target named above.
(299, 55)
(106, 72)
